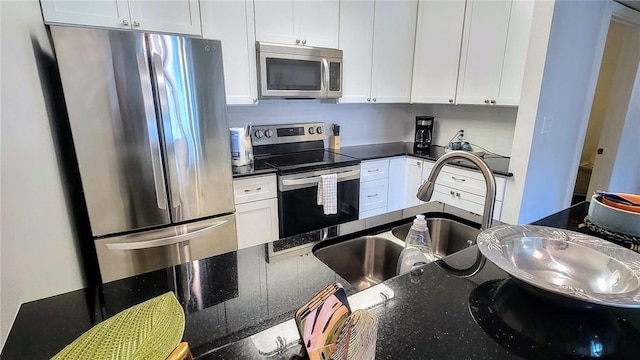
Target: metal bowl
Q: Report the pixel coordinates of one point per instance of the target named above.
(566, 263)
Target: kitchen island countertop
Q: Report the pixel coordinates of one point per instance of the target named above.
(434, 313)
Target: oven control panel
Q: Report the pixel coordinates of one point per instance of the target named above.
(287, 133)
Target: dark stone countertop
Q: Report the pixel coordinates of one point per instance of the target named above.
(433, 313)
(499, 164)
(252, 170)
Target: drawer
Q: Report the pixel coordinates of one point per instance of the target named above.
(254, 188)
(373, 195)
(469, 181)
(464, 200)
(374, 170)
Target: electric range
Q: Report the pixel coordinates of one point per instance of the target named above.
(297, 152)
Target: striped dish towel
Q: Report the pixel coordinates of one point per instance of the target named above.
(328, 193)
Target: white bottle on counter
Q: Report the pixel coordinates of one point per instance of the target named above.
(417, 247)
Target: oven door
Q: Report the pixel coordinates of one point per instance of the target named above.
(297, 200)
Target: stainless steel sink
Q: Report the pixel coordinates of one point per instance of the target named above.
(447, 236)
(364, 261)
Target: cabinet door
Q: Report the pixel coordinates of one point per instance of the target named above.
(483, 44)
(373, 196)
(274, 21)
(107, 13)
(316, 22)
(257, 222)
(232, 23)
(394, 31)
(176, 16)
(413, 178)
(396, 196)
(515, 54)
(356, 42)
(437, 53)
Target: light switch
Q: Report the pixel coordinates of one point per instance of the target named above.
(547, 123)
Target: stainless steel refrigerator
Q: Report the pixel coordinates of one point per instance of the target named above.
(147, 114)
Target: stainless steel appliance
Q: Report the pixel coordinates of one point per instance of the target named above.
(147, 115)
(424, 134)
(297, 151)
(290, 71)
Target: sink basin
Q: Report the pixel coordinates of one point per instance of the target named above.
(447, 235)
(364, 261)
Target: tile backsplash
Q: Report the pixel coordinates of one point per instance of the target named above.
(489, 127)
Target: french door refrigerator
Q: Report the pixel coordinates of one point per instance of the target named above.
(147, 115)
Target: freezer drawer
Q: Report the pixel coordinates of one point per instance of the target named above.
(133, 254)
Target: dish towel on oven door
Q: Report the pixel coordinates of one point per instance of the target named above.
(328, 193)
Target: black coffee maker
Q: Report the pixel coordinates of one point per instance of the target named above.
(424, 134)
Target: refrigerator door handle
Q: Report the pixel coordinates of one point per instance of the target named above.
(165, 117)
(176, 239)
(154, 146)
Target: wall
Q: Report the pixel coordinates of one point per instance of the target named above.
(489, 127)
(555, 106)
(38, 256)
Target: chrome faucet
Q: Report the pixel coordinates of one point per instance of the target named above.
(426, 189)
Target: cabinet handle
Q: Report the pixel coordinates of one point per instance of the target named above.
(297, 41)
(450, 101)
(372, 171)
(374, 99)
(247, 190)
(451, 192)
(255, 100)
(370, 196)
(125, 22)
(458, 194)
(369, 99)
(136, 24)
(486, 101)
(304, 41)
(258, 189)
(458, 179)
(418, 164)
(493, 102)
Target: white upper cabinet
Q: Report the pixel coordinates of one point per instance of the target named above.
(356, 42)
(394, 31)
(515, 53)
(377, 39)
(437, 51)
(483, 44)
(312, 23)
(231, 22)
(175, 16)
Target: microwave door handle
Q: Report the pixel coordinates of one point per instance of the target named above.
(170, 240)
(325, 77)
(152, 130)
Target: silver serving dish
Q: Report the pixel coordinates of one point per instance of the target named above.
(566, 263)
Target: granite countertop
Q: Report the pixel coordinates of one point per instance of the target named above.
(434, 313)
(499, 164)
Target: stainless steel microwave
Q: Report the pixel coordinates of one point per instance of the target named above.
(290, 71)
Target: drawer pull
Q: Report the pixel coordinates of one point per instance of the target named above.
(258, 189)
(458, 194)
(370, 196)
(458, 179)
(452, 192)
(372, 171)
(247, 190)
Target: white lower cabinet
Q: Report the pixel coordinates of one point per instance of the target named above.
(374, 186)
(256, 210)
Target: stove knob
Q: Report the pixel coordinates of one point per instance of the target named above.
(311, 130)
(259, 134)
(268, 133)
(319, 130)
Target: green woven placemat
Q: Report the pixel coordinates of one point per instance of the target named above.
(150, 330)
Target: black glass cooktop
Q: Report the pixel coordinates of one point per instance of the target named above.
(307, 161)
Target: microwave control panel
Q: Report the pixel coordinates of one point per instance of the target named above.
(334, 76)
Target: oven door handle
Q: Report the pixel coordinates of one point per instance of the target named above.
(316, 179)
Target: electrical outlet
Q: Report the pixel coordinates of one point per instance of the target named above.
(461, 134)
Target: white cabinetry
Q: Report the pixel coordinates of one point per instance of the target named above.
(313, 23)
(377, 39)
(397, 185)
(437, 52)
(232, 23)
(416, 171)
(256, 210)
(374, 182)
(494, 46)
(177, 16)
